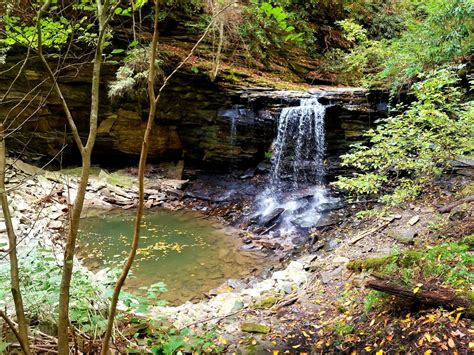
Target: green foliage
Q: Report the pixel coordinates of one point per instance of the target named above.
(343, 329)
(450, 263)
(438, 32)
(427, 35)
(131, 77)
(352, 31)
(40, 280)
(55, 33)
(160, 339)
(407, 151)
(135, 303)
(374, 300)
(278, 14)
(269, 26)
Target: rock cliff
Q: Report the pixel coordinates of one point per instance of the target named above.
(193, 121)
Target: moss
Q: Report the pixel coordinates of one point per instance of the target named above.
(267, 302)
(370, 263)
(470, 298)
(255, 328)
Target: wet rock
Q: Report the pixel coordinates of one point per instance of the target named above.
(329, 206)
(271, 217)
(248, 174)
(263, 167)
(304, 222)
(255, 328)
(325, 221)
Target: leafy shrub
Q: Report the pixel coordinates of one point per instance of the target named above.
(407, 151)
(267, 26)
(40, 275)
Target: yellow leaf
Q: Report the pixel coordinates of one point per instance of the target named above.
(368, 348)
(428, 337)
(457, 317)
(275, 352)
(416, 289)
(380, 352)
(471, 345)
(428, 352)
(372, 322)
(451, 343)
(296, 346)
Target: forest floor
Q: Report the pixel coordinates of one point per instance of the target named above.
(335, 313)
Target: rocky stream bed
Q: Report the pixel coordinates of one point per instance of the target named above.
(301, 280)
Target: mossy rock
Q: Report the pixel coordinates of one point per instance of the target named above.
(255, 328)
(266, 303)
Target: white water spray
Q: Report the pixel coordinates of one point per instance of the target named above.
(298, 172)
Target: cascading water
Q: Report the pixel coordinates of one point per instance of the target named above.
(300, 145)
(296, 192)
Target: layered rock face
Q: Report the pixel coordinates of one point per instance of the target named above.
(194, 120)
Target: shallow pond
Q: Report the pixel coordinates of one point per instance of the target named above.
(186, 251)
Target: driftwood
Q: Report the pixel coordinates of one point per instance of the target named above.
(434, 297)
(369, 232)
(447, 208)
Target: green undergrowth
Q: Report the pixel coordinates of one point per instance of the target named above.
(40, 273)
(449, 264)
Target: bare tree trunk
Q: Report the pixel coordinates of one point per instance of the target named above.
(217, 57)
(104, 12)
(141, 177)
(14, 272)
(154, 99)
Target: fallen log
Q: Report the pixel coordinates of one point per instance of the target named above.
(447, 208)
(433, 297)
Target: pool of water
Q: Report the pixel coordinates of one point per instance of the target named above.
(186, 251)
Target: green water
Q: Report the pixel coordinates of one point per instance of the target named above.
(186, 251)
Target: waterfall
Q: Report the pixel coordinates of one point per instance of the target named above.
(233, 126)
(297, 175)
(300, 146)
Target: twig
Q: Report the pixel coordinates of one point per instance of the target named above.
(369, 232)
